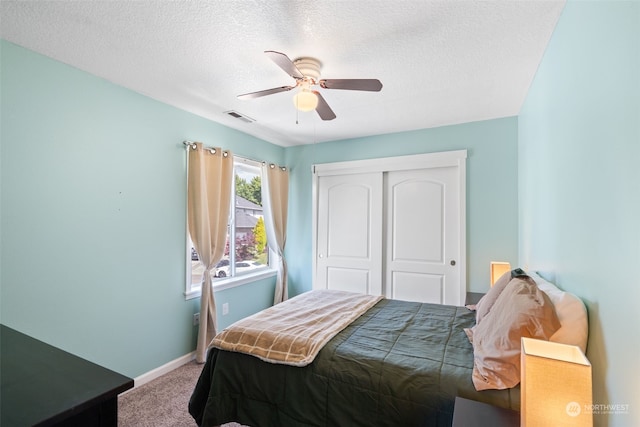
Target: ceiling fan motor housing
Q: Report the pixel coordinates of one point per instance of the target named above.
(309, 67)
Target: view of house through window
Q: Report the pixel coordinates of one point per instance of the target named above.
(246, 249)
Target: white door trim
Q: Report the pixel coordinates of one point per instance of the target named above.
(387, 164)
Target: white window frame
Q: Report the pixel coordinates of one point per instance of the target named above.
(234, 280)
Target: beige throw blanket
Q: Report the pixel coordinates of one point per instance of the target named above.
(294, 331)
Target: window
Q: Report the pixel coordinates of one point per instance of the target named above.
(246, 251)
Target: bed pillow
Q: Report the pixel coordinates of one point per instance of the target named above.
(486, 302)
(571, 311)
(521, 310)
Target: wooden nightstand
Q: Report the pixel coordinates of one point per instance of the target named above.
(469, 413)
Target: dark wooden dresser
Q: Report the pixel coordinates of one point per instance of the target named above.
(45, 386)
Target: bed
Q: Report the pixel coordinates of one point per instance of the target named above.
(398, 364)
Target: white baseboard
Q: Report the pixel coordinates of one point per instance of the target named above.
(161, 370)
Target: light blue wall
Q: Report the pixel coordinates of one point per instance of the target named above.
(492, 200)
(579, 144)
(93, 215)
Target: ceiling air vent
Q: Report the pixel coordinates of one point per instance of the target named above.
(239, 116)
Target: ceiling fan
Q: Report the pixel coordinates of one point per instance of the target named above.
(306, 72)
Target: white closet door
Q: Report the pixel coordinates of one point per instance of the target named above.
(349, 232)
(423, 235)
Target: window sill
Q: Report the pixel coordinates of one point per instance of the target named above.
(232, 282)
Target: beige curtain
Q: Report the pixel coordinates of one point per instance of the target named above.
(275, 201)
(210, 176)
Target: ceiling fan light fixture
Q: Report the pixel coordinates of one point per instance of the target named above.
(305, 100)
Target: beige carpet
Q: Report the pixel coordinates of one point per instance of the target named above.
(162, 402)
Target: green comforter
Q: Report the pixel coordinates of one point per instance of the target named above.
(399, 364)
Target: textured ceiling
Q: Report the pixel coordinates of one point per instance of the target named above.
(441, 62)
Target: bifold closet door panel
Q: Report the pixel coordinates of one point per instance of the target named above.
(350, 227)
(422, 235)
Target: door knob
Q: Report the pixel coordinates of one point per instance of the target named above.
(453, 262)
